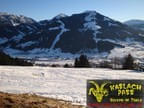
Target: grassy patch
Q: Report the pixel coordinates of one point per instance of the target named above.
(32, 101)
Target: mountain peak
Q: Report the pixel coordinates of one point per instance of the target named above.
(14, 20)
(89, 11)
(92, 12)
(61, 15)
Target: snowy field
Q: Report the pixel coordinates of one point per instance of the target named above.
(62, 83)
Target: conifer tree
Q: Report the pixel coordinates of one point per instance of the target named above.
(128, 62)
(82, 61)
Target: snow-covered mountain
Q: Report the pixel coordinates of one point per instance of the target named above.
(10, 19)
(59, 16)
(88, 32)
(137, 24)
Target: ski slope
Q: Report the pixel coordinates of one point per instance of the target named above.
(62, 83)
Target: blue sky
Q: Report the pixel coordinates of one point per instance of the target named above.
(121, 10)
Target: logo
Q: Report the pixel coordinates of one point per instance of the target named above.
(115, 93)
(99, 91)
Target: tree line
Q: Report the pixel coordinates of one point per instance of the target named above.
(7, 60)
(126, 63)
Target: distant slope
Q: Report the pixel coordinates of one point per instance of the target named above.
(137, 24)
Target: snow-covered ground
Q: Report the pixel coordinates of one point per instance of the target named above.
(62, 83)
(60, 62)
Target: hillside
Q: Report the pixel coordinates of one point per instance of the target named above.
(137, 24)
(64, 36)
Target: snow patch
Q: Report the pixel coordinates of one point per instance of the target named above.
(49, 53)
(63, 29)
(110, 21)
(18, 37)
(14, 23)
(109, 40)
(23, 45)
(3, 40)
(129, 40)
(91, 24)
(56, 54)
(141, 34)
(137, 51)
(112, 24)
(13, 52)
(60, 16)
(107, 19)
(54, 28)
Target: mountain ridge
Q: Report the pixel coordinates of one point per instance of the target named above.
(136, 24)
(79, 33)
